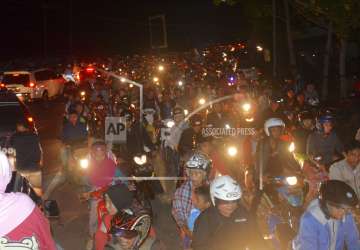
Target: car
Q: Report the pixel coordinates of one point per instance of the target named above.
(12, 110)
(38, 84)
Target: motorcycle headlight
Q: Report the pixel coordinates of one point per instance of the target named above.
(170, 124)
(82, 93)
(292, 147)
(291, 180)
(246, 107)
(186, 112)
(202, 101)
(84, 163)
(232, 151)
(249, 119)
(140, 160)
(227, 126)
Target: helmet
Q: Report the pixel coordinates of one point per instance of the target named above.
(225, 188)
(199, 161)
(273, 122)
(338, 193)
(305, 115)
(196, 120)
(326, 118)
(178, 111)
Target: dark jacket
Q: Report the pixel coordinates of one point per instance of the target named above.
(327, 147)
(188, 140)
(28, 151)
(74, 134)
(301, 135)
(215, 232)
(136, 139)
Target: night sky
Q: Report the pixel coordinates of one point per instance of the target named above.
(112, 26)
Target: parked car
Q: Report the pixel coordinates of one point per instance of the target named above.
(38, 84)
(12, 110)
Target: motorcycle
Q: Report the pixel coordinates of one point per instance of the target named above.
(136, 220)
(280, 209)
(142, 168)
(78, 162)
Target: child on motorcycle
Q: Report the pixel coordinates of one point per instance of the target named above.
(116, 199)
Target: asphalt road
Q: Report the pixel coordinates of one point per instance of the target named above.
(71, 229)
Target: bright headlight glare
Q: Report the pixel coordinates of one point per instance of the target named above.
(202, 101)
(291, 180)
(292, 147)
(186, 112)
(140, 160)
(84, 163)
(232, 151)
(82, 93)
(249, 119)
(246, 107)
(227, 126)
(180, 83)
(170, 124)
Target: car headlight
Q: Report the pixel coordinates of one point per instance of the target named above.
(292, 147)
(84, 163)
(291, 180)
(140, 160)
(232, 151)
(246, 107)
(170, 124)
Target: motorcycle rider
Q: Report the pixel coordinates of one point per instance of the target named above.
(324, 141)
(311, 95)
(215, 117)
(23, 225)
(348, 169)
(272, 157)
(198, 168)
(328, 222)
(172, 141)
(28, 154)
(226, 224)
(275, 110)
(301, 134)
(100, 174)
(191, 135)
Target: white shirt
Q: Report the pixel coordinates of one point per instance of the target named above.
(343, 172)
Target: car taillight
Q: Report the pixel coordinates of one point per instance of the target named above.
(31, 84)
(2, 85)
(90, 70)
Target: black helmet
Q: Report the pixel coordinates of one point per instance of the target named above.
(196, 120)
(338, 193)
(178, 111)
(305, 115)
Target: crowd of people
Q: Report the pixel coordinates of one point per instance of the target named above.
(242, 134)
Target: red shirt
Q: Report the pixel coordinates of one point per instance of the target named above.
(32, 233)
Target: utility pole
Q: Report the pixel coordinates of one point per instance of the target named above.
(274, 56)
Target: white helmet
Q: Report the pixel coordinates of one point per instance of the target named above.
(273, 122)
(225, 188)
